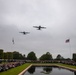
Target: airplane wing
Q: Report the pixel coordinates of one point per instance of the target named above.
(27, 32)
(43, 27)
(35, 26)
(20, 32)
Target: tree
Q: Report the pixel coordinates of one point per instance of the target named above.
(9, 55)
(1, 53)
(46, 56)
(74, 57)
(5, 55)
(24, 57)
(21, 56)
(31, 56)
(15, 55)
(59, 57)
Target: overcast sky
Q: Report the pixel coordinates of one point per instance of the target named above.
(58, 16)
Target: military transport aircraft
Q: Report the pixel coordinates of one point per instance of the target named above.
(24, 32)
(39, 27)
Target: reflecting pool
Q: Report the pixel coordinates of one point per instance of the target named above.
(49, 71)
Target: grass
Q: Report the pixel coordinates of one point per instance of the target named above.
(70, 66)
(15, 71)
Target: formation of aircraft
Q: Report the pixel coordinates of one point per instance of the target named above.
(24, 32)
(39, 27)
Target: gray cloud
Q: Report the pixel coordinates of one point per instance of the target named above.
(57, 15)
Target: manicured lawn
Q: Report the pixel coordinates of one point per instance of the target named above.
(70, 66)
(15, 71)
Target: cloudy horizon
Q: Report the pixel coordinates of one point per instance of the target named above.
(58, 16)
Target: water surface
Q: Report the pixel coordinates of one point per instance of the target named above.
(48, 71)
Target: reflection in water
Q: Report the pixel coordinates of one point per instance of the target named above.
(47, 70)
(74, 73)
(59, 68)
(31, 70)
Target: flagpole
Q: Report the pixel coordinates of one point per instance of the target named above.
(68, 41)
(13, 44)
(70, 50)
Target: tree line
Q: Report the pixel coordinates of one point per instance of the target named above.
(31, 56)
(48, 56)
(11, 55)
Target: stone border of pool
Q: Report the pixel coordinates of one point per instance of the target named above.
(25, 70)
(46, 65)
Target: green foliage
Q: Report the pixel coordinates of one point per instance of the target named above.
(13, 55)
(1, 53)
(9, 55)
(17, 55)
(59, 57)
(46, 56)
(74, 57)
(5, 56)
(31, 56)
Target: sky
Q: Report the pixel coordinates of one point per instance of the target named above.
(58, 16)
